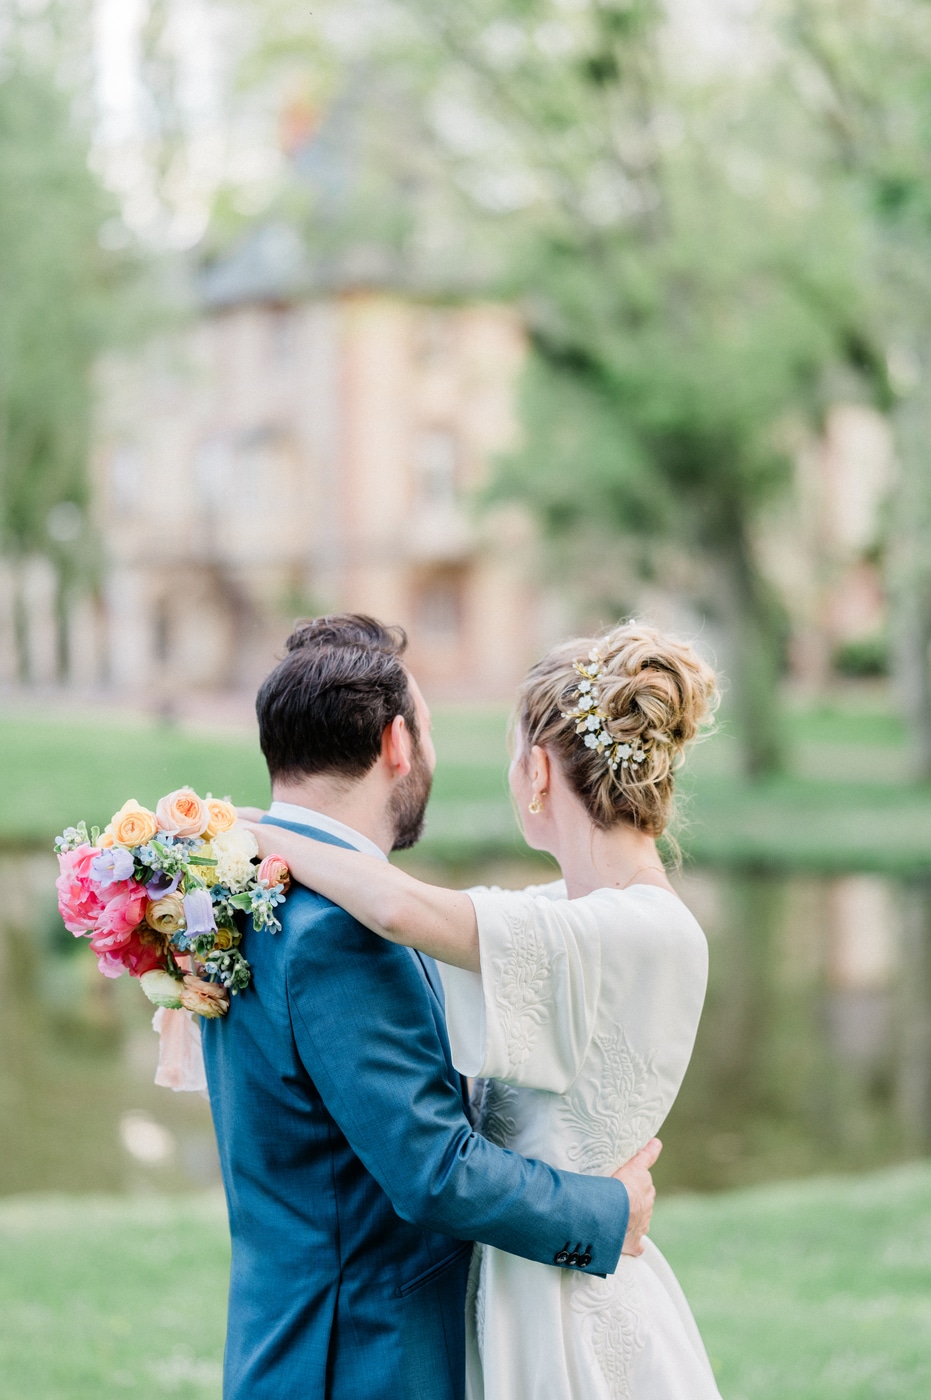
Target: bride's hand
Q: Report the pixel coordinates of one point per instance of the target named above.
(264, 835)
(250, 814)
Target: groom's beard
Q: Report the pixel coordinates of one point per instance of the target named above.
(408, 804)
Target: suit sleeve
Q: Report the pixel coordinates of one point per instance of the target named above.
(364, 1025)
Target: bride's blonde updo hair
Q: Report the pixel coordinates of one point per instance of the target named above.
(656, 693)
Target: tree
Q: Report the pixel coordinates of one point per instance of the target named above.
(694, 286)
(53, 282)
(869, 91)
(687, 300)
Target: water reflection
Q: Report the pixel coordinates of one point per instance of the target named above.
(78, 1108)
(814, 1053)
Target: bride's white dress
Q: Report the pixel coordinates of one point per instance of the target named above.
(579, 1029)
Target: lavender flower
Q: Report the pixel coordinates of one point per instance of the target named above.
(198, 914)
(113, 864)
(162, 883)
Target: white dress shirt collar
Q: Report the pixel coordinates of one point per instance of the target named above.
(306, 816)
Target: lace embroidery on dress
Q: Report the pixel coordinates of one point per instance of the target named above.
(614, 1326)
(475, 1295)
(521, 985)
(492, 1104)
(609, 1113)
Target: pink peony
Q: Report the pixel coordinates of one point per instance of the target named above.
(123, 913)
(79, 894)
(110, 965)
(134, 955)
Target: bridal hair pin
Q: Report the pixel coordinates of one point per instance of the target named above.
(592, 722)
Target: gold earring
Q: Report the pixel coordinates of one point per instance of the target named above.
(536, 803)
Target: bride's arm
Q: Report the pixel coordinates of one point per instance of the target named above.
(394, 905)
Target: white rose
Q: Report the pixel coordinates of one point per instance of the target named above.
(234, 851)
(162, 989)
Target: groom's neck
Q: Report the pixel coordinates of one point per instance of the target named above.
(359, 804)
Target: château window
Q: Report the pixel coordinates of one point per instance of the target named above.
(436, 463)
(439, 608)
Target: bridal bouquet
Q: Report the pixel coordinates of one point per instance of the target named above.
(161, 895)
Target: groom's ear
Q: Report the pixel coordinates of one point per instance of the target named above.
(397, 747)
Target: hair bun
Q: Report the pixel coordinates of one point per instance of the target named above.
(655, 688)
(620, 723)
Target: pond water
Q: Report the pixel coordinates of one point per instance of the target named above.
(814, 1053)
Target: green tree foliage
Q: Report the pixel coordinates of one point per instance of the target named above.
(690, 289)
(868, 90)
(52, 278)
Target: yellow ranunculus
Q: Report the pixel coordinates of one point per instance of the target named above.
(132, 825)
(165, 915)
(222, 817)
(207, 873)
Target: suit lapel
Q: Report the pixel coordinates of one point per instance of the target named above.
(431, 972)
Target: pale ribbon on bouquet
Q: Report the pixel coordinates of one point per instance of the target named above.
(180, 1057)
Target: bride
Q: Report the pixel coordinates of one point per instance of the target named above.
(574, 1005)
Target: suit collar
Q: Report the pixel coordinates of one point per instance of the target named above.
(288, 813)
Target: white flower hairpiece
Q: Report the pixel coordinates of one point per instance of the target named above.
(591, 722)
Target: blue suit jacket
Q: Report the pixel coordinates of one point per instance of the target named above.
(354, 1180)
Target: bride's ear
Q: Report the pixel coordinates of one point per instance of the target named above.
(539, 769)
(397, 747)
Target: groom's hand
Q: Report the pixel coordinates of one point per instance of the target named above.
(635, 1175)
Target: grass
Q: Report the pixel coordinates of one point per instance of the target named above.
(846, 802)
(819, 1290)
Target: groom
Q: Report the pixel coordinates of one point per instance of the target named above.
(354, 1180)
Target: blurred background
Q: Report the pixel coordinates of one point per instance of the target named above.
(500, 319)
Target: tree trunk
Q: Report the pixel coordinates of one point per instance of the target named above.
(755, 628)
(912, 656)
(909, 572)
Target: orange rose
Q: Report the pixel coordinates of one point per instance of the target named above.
(104, 840)
(222, 817)
(182, 813)
(205, 998)
(132, 825)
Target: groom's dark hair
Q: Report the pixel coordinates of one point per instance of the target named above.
(326, 705)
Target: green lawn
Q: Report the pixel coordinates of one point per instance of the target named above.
(819, 1290)
(846, 802)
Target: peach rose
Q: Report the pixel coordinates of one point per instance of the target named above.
(132, 825)
(222, 817)
(182, 813)
(105, 840)
(165, 915)
(205, 998)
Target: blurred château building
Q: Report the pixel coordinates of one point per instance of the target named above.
(315, 438)
(287, 455)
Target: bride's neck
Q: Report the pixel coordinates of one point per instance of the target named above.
(591, 859)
